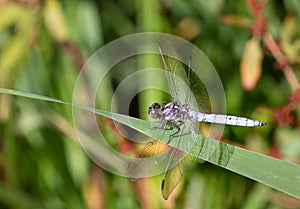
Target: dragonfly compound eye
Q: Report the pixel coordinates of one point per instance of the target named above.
(153, 110)
(154, 106)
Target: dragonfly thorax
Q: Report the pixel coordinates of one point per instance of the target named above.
(173, 111)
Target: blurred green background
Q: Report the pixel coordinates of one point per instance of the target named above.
(255, 48)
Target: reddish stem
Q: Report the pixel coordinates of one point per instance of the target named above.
(282, 60)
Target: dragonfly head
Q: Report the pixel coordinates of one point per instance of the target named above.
(154, 110)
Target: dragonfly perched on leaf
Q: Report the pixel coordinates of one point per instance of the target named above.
(189, 107)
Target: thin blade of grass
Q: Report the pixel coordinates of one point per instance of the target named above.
(278, 174)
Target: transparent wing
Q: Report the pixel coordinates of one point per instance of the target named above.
(151, 159)
(177, 78)
(179, 163)
(180, 81)
(174, 175)
(184, 85)
(197, 88)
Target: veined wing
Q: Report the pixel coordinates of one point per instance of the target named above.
(175, 161)
(179, 161)
(180, 89)
(184, 85)
(143, 165)
(177, 78)
(174, 175)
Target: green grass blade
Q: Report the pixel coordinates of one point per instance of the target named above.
(278, 174)
(18, 199)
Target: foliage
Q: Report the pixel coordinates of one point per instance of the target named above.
(254, 45)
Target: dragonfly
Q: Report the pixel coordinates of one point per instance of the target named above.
(180, 116)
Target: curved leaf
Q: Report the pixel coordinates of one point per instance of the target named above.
(278, 174)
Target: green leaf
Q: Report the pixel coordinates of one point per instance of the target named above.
(278, 174)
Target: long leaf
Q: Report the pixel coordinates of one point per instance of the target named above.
(278, 174)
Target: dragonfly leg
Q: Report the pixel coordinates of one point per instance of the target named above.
(168, 126)
(162, 125)
(177, 127)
